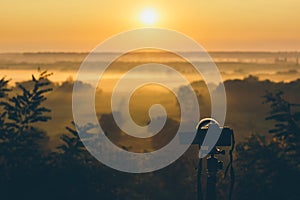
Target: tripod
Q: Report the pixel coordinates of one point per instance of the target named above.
(213, 165)
(226, 139)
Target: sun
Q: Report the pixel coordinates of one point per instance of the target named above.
(148, 16)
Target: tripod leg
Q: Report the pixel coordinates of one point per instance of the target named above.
(199, 185)
(211, 187)
(212, 168)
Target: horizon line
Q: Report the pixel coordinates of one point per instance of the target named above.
(213, 51)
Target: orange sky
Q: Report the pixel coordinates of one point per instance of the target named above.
(218, 25)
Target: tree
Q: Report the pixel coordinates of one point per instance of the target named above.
(267, 169)
(3, 94)
(287, 126)
(22, 145)
(25, 109)
(72, 147)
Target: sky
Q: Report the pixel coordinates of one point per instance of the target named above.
(80, 25)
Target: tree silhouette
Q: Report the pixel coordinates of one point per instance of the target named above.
(72, 147)
(3, 94)
(287, 126)
(20, 137)
(80, 174)
(268, 169)
(4, 88)
(22, 145)
(25, 109)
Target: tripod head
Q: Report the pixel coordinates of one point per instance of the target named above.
(205, 124)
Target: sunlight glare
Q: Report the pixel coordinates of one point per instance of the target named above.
(148, 16)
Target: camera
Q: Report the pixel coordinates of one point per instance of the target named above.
(224, 139)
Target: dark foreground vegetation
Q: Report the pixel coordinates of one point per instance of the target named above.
(265, 167)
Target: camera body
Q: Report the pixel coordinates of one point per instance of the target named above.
(224, 139)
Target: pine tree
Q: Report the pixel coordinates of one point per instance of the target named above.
(287, 126)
